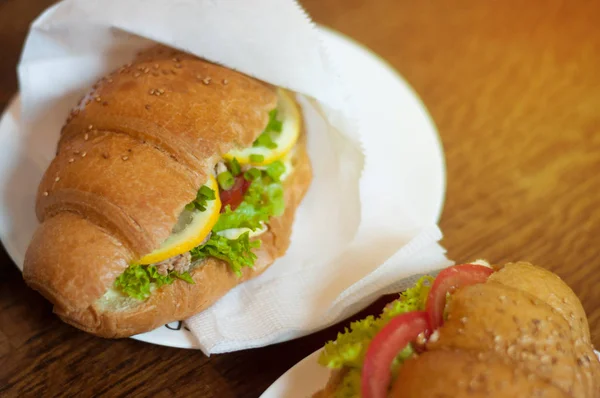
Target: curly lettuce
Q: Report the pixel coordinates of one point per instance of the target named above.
(237, 252)
(349, 349)
(350, 385)
(138, 281)
(263, 200)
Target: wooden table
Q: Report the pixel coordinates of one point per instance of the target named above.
(514, 88)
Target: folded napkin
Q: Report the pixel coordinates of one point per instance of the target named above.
(356, 234)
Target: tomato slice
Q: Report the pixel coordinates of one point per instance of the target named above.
(235, 195)
(385, 346)
(448, 281)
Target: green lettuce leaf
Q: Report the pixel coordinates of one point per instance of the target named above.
(263, 200)
(350, 385)
(349, 349)
(138, 281)
(237, 252)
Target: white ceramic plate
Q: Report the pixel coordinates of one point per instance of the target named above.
(304, 379)
(378, 89)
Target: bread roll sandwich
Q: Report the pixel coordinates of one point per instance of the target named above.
(474, 331)
(175, 180)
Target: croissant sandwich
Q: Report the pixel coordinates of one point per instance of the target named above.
(473, 331)
(175, 180)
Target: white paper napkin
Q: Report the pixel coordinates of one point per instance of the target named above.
(355, 236)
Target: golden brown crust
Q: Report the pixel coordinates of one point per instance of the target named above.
(120, 195)
(156, 120)
(522, 333)
(512, 328)
(454, 373)
(55, 255)
(549, 288)
(212, 280)
(130, 158)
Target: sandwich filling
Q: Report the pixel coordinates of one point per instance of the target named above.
(348, 351)
(230, 211)
(370, 353)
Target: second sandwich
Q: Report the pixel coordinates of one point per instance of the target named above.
(473, 331)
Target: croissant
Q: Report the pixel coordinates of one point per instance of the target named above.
(522, 333)
(133, 156)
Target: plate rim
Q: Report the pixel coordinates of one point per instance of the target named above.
(416, 97)
(272, 389)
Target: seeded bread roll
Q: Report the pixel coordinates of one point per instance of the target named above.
(456, 373)
(130, 157)
(523, 333)
(511, 336)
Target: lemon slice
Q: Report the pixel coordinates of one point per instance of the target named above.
(191, 229)
(289, 114)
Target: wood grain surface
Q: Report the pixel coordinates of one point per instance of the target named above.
(514, 89)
